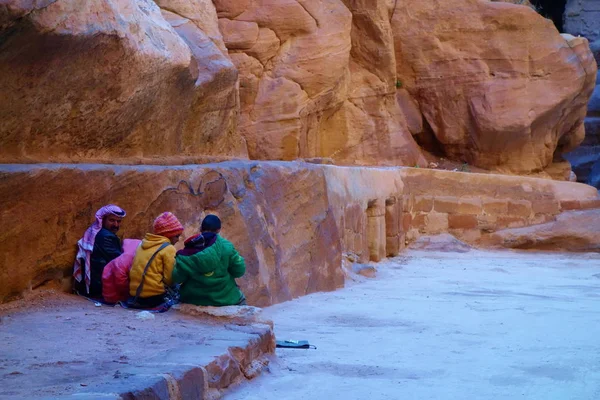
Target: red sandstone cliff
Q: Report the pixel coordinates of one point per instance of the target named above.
(491, 84)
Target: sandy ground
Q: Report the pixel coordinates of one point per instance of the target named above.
(445, 326)
(54, 345)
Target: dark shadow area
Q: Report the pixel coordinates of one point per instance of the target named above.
(552, 9)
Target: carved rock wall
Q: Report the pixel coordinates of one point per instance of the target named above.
(278, 217)
(292, 222)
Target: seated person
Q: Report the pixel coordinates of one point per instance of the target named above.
(98, 247)
(153, 263)
(115, 278)
(207, 268)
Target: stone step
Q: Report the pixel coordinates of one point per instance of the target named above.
(75, 350)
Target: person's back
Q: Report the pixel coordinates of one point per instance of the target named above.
(208, 276)
(115, 277)
(147, 290)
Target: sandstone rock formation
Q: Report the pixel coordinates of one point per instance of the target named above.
(489, 78)
(292, 222)
(572, 231)
(125, 81)
(278, 217)
(111, 81)
(317, 79)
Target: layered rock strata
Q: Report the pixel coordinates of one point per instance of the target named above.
(489, 78)
(113, 81)
(278, 217)
(353, 81)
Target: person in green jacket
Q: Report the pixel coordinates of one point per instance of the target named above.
(207, 267)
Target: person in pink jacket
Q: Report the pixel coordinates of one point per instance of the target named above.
(115, 277)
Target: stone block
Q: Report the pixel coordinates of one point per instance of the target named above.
(446, 204)
(407, 221)
(467, 235)
(458, 221)
(393, 215)
(589, 204)
(541, 219)
(545, 206)
(487, 223)
(407, 203)
(495, 206)
(436, 223)
(511, 222)
(418, 221)
(423, 204)
(519, 208)
(393, 245)
(566, 205)
(376, 237)
(469, 205)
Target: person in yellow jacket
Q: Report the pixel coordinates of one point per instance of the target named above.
(153, 263)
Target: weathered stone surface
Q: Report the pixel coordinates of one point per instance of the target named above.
(112, 81)
(322, 83)
(462, 221)
(181, 357)
(291, 221)
(278, 217)
(572, 231)
(490, 97)
(393, 227)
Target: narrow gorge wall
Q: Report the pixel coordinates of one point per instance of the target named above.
(352, 81)
(292, 222)
(135, 84)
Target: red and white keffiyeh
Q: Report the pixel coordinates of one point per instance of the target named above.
(86, 243)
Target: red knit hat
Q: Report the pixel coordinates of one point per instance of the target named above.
(167, 225)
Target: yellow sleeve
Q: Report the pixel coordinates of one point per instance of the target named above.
(168, 264)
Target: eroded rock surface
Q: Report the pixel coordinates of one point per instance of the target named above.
(171, 81)
(572, 231)
(489, 80)
(278, 217)
(112, 80)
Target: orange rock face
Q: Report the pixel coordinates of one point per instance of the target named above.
(278, 218)
(490, 79)
(292, 222)
(114, 81)
(353, 81)
(572, 231)
(317, 79)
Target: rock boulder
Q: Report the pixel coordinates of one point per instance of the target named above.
(489, 78)
(112, 81)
